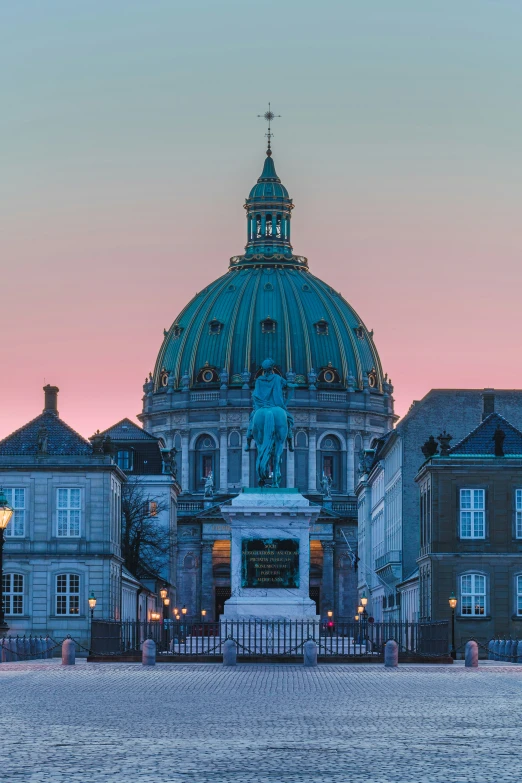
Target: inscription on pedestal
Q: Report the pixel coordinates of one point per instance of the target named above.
(269, 562)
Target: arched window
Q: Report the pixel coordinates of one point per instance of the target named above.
(473, 595)
(67, 594)
(258, 226)
(205, 462)
(331, 460)
(124, 459)
(278, 227)
(268, 231)
(13, 593)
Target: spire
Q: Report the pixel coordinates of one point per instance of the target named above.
(269, 116)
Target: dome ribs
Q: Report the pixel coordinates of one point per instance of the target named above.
(342, 350)
(304, 325)
(202, 324)
(284, 305)
(248, 347)
(230, 336)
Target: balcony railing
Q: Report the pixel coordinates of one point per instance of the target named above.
(331, 397)
(389, 558)
(210, 396)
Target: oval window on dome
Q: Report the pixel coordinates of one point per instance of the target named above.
(268, 287)
(329, 376)
(207, 376)
(372, 379)
(164, 378)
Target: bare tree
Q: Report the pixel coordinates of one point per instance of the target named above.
(145, 543)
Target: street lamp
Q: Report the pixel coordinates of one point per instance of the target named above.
(453, 600)
(163, 592)
(92, 604)
(203, 613)
(364, 600)
(155, 615)
(6, 512)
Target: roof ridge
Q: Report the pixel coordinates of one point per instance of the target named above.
(491, 417)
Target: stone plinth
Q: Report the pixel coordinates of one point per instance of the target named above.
(270, 546)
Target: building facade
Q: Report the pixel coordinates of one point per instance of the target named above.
(471, 533)
(388, 498)
(198, 401)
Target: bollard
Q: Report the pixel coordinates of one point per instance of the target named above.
(38, 647)
(509, 647)
(502, 651)
(19, 648)
(32, 645)
(496, 650)
(471, 655)
(27, 648)
(5, 651)
(68, 652)
(148, 652)
(514, 651)
(491, 647)
(310, 653)
(391, 654)
(12, 649)
(229, 653)
(49, 647)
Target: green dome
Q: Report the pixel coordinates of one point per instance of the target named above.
(252, 313)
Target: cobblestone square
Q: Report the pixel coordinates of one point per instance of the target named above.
(188, 723)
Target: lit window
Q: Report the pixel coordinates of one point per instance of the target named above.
(518, 513)
(13, 593)
(69, 509)
(153, 508)
(124, 459)
(16, 499)
(519, 596)
(206, 465)
(473, 595)
(472, 513)
(67, 594)
(328, 467)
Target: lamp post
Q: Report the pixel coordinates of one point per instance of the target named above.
(6, 512)
(329, 622)
(92, 604)
(453, 600)
(184, 611)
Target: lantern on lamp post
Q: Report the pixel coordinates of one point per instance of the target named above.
(92, 604)
(6, 512)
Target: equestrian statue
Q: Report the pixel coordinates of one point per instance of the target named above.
(270, 424)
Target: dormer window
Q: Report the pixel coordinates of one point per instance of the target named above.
(329, 375)
(359, 331)
(164, 378)
(215, 326)
(207, 375)
(372, 379)
(321, 327)
(177, 331)
(268, 326)
(124, 459)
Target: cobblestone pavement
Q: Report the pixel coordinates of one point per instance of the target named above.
(185, 723)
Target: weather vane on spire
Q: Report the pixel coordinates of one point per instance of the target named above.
(269, 116)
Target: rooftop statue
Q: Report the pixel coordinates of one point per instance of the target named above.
(270, 424)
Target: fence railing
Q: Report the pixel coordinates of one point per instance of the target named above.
(267, 638)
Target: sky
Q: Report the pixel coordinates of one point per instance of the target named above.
(130, 139)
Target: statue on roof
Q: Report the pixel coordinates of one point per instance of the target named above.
(42, 440)
(498, 437)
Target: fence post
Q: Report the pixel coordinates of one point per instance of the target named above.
(391, 654)
(49, 646)
(502, 650)
(68, 651)
(5, 650)
(310, 653)
(38, 647)
(12, 649)
(229, 653)
(471, 655)
(27, 648)
(148, 652)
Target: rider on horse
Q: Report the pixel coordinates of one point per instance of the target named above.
(268, 393)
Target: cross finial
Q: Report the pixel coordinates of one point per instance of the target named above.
(269, 116)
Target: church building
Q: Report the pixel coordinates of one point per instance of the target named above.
(267, 304)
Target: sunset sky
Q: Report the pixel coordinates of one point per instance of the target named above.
(130, 139)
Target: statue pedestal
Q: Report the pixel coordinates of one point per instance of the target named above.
(270, 555)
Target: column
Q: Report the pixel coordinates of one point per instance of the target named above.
(185, 460)
(290, 468)
(327, 590)
(207, 579)
(223, 460)
(350, 466)
(245, 461)
(312, 462)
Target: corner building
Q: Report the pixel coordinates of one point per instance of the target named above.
(267, 304)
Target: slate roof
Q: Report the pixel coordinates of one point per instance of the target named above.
(127, 430)
(62, 440)
(480, 443)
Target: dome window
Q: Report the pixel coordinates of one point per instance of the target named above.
(164, 378)
(269, 226)
(269, 287)
(177, 331)
(372, 379)
(215, 326)
(207, 375)
(306, 288)
(329, 375)
(268, 326)
(321, 327)
(359, 331)
(258, 226)
(278, 227)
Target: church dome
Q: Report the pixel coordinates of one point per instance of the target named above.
(268, 304)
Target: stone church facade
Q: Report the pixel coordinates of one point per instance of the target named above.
(198, 401)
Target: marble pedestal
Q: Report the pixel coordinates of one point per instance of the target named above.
(270, 514)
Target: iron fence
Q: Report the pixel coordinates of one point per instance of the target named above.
(269, 638)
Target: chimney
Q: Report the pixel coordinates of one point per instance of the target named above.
(51, 399)
(488, 402)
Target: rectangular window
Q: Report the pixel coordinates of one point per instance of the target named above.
(473, 595)
(207, 465)
(13, 593)
(472, 513)
(328, 467)
(69, 508)
(519, 596)
(67, 594)
(518, 513)
(16, 499)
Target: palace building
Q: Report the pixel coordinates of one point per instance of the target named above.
(198, 401)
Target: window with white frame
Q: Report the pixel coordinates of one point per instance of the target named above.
(67, 594)
(472, 513)
(519, 596)
(518, 513)
(473, 595)
(16, 499)
(13, 593)
(69, 508)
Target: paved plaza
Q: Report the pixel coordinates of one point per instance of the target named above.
(179, 723)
